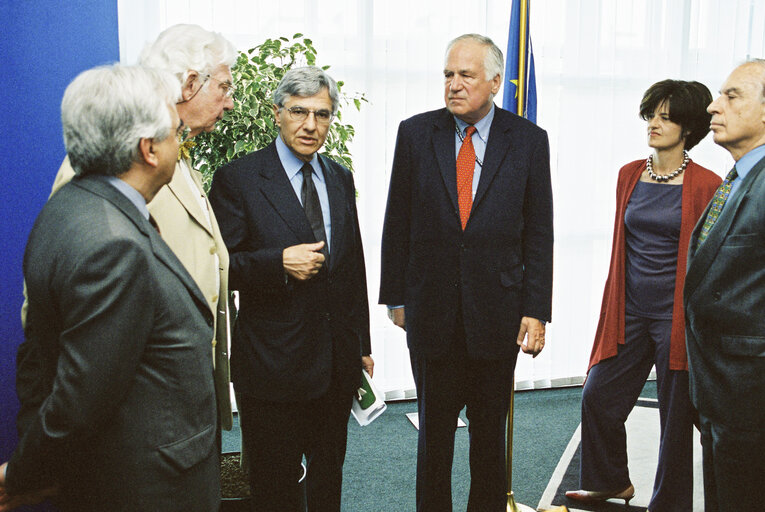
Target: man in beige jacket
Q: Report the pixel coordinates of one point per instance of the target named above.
(201, 60)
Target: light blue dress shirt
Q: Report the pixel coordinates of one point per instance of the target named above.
(292, 165)
(132, 194)
(480, 139)
(743, 166)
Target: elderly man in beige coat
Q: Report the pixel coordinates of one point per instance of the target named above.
(201, 60)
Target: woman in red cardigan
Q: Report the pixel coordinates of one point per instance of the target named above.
(658, 201)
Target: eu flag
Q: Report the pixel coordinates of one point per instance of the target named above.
(520, 94)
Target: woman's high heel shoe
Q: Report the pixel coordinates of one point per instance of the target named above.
(597, 496)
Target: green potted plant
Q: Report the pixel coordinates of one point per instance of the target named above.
(250, 126)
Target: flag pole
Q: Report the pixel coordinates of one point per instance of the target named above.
(522, 52)
(521, 99)
(512, 506)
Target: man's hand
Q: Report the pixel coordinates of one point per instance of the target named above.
(368, 364)
(534, 332)
(396, 316)
(303, 261)
(8, 502)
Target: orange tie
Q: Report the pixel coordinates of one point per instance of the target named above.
(465, 167)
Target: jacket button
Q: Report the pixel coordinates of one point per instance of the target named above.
(716, 296)
(213, 250)
(328, 316)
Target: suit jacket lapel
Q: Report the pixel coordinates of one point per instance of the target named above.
(180, 188)
(499, 144)
(279, 192)
(159, 247)
(701, 259)
(337, 208)
(443, 144)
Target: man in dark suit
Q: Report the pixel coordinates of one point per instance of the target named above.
(120, 330)
(288, 217)
(725, 303)
(467, 251)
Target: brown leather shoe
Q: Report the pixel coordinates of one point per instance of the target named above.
(597, 496)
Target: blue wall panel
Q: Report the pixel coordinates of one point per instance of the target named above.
(44, 44)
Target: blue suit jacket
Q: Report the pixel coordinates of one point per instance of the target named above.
(495, 271)
(290, 336)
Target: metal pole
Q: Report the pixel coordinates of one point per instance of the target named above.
(512, 506)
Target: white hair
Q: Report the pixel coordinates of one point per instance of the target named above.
(494, 62)
(182, 48)
(107, 110)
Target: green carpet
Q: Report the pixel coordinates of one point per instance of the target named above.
(379, 471)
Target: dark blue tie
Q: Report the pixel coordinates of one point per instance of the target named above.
(312, 208)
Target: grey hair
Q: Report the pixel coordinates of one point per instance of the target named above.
(494, 62)
(107, 110)
(305, 82)
(182, 47)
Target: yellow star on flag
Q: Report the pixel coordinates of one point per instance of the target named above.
(515, 83)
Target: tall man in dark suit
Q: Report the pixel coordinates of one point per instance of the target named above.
(725, 303)
(288, 217)
(120, 330)
(467, 251)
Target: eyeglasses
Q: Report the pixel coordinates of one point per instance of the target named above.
(227, 86)
(300, 114)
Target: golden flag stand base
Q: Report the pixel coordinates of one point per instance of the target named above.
(512, 506)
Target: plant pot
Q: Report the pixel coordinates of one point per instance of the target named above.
(231, 471)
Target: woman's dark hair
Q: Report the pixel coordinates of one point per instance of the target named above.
(687, 102)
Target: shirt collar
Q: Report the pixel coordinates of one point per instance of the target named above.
(746, 162)
(482, 127)
(132, 194)
(293, 164)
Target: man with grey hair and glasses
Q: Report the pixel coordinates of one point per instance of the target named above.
(724, 299)
(288, 216)
(467, 253)
(119, 330)
(201, 62)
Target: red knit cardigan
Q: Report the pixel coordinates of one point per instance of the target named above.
(699, 185)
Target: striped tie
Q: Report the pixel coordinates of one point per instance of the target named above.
(718, 201)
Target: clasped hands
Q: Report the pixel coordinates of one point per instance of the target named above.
(303, 261)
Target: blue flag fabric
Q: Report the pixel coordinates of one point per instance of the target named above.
(520, 78)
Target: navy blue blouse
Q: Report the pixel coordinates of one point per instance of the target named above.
(652, 222)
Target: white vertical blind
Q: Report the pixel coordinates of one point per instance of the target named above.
(594, 59)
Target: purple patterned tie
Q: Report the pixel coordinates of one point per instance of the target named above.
(718, 201)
